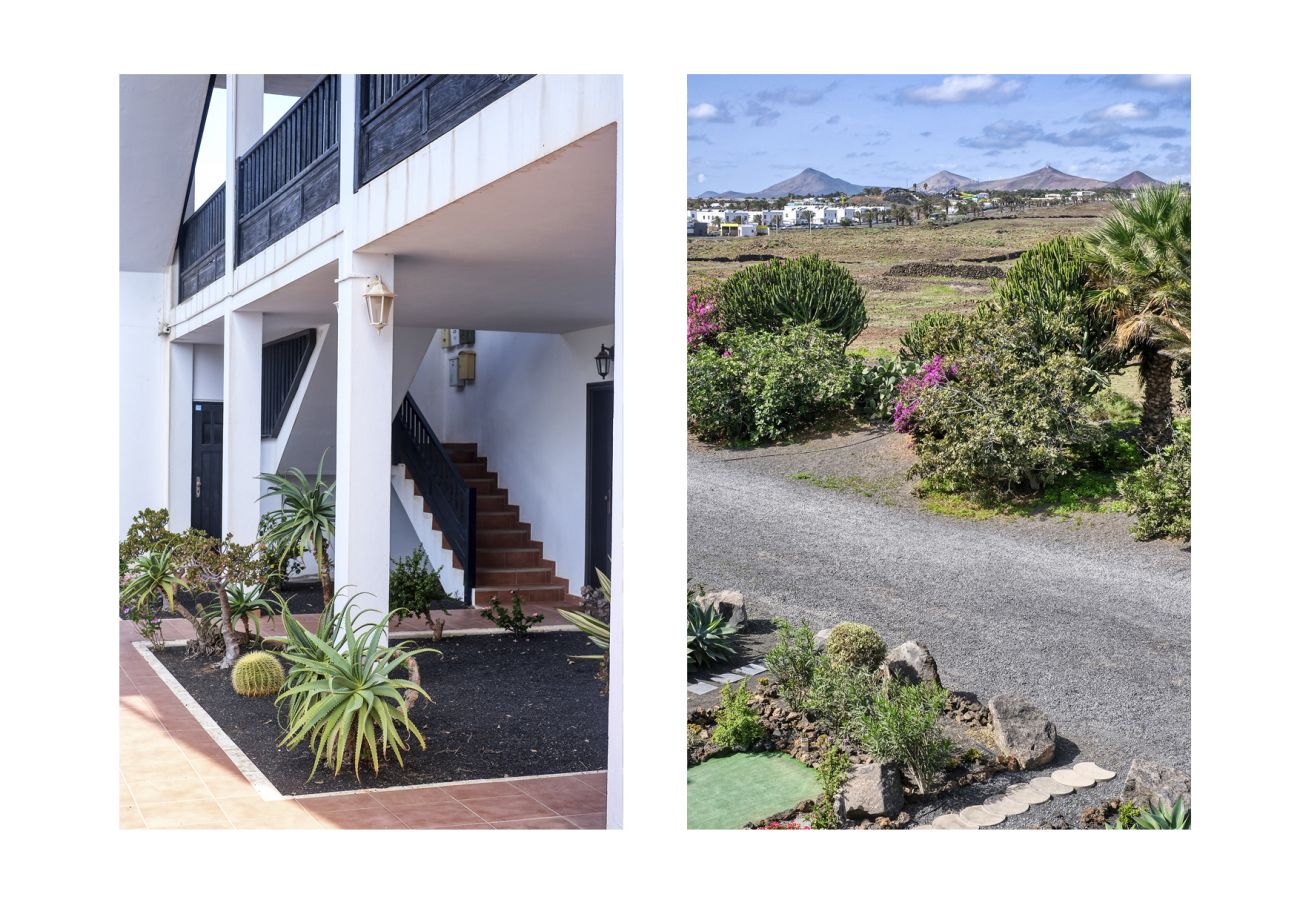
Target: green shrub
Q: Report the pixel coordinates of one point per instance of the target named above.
(902, 728)
(831, 770)
(855, 645)
(793, 661)
(943, 334)
(782, 293)
(1160, 493)
(514, 621)
(737, 726)
(1005, 423)
(758, 386)
(839, 695)
(415, 588)
(148, 532)
(708, 636)
(878, 386)
(257, 675)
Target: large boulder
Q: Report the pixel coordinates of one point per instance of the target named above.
(1022, 731)
(820, 639)
(912, 662)
(1149, 781)
(729, 604)
(869, 791)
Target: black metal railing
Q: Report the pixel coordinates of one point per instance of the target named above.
(291, 174)
(203, 245)
(450, 499)
(399, 114)
(284, 362)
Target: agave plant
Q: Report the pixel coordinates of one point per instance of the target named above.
(303, 521)
(595, 630)
(153, 575)
(346, 700)
(1159, 816)
(245, 601)
(708, 636)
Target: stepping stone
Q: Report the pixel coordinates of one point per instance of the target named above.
(924, 828)
(701, 687)
(951, 821)
(1073, 778)
(1094, 770)
(753, 669)
(981, 816)
(727, 678)
(1052, 786)
(1027, 793)
(1007, 805)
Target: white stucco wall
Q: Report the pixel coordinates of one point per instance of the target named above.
(209, 368)
(527, 411)
(142, 395)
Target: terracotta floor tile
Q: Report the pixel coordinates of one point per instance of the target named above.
(129, 817)
(566, 796)
(172, 790)
(361, 818)
(327, 804)
(500, 809)
(479, 791)
(599, 781)
(397, 800)
(444, 814)
(550, 822)
(588, 820)
(484, 826)
(184, 812)
(254, 812)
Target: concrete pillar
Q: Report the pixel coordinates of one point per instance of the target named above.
(243, 128)
(241, 451)
(617, 619)
(180, 438)
(364, 440)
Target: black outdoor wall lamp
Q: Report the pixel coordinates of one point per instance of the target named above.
(604, 360)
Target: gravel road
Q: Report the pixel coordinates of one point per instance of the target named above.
(1088, 623)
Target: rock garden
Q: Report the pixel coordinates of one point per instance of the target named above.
(837, 730)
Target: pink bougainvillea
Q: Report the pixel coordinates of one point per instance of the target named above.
(701, 320)
(933, 373)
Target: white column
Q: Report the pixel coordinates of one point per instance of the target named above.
(364, 440)
(241, 450)
(243, 128)
(180, 438)
(617, 620)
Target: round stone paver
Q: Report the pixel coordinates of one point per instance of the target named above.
(951, 821)
(1051, 786)
(1007, 805)
(1027, 793)
(1094, 770)
(981, 816)
(1073, 779)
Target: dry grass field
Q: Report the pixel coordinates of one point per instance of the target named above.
(895, 302)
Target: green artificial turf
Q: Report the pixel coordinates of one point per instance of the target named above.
(731, 791)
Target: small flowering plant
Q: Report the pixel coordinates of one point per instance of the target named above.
(147, 618)
(910, 391)
(702, 324)
(793, 825)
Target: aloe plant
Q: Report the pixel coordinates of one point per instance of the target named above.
(303, 521)
(708, 637)
(595, 630)
(1158, 816)
(347, 701)
(153, 575)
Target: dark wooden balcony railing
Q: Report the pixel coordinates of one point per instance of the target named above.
(203, 245)
(399, 114)
(283, 364)
(451, 500)
(292, 173)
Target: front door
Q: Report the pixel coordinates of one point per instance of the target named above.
(600, 478)
(205, 481)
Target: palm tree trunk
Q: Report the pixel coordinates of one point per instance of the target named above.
(1157, 373)
(326, 581)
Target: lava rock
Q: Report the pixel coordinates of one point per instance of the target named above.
(728, 604)
(912, 662)
(820, 639)
(1022, 731)
(1149, 781)
(870, 791)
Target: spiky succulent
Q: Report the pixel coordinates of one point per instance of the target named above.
(1158, 816)
(257, 675)
(708, 636)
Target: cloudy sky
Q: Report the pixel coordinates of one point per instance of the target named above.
(746, 132)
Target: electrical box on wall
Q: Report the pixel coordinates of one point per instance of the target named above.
(467, 337)
(457, 337)
(454, 379)
(466, 363)
(445, 337)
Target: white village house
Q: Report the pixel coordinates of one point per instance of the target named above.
(257, 332)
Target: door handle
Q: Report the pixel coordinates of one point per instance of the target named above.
(198, 487)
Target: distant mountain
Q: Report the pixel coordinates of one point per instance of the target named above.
(1044, 179)
(942, 182)
(1134, 180)
(808, 183)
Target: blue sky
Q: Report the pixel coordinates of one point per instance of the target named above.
(210, 166)
(746, 132)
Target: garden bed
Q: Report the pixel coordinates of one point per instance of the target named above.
(500, 708)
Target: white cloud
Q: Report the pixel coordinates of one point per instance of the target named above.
(709, 112)
(964, 89)
(700, 179)
(1162, 82)
(1122, 112)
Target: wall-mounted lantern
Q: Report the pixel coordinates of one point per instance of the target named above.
(604, 361)
(379, 303)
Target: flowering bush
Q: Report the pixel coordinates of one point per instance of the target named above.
(793, 825)
(702, 324)
(146, 617)
(933, 373)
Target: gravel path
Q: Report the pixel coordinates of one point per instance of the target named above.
(1088, 623)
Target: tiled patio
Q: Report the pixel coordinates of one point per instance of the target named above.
(173, 775)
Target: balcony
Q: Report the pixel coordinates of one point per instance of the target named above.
(203, 245)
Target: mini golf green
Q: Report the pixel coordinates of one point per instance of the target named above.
(732, 791)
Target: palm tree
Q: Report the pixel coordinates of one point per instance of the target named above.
(304, 521)
(1141, 258)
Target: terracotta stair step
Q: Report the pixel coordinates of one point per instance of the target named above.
(539, 594)
(510, 538)
(493, 520)
(488, 577)
(508, 557)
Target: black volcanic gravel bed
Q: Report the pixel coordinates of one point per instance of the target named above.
(500, 708)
